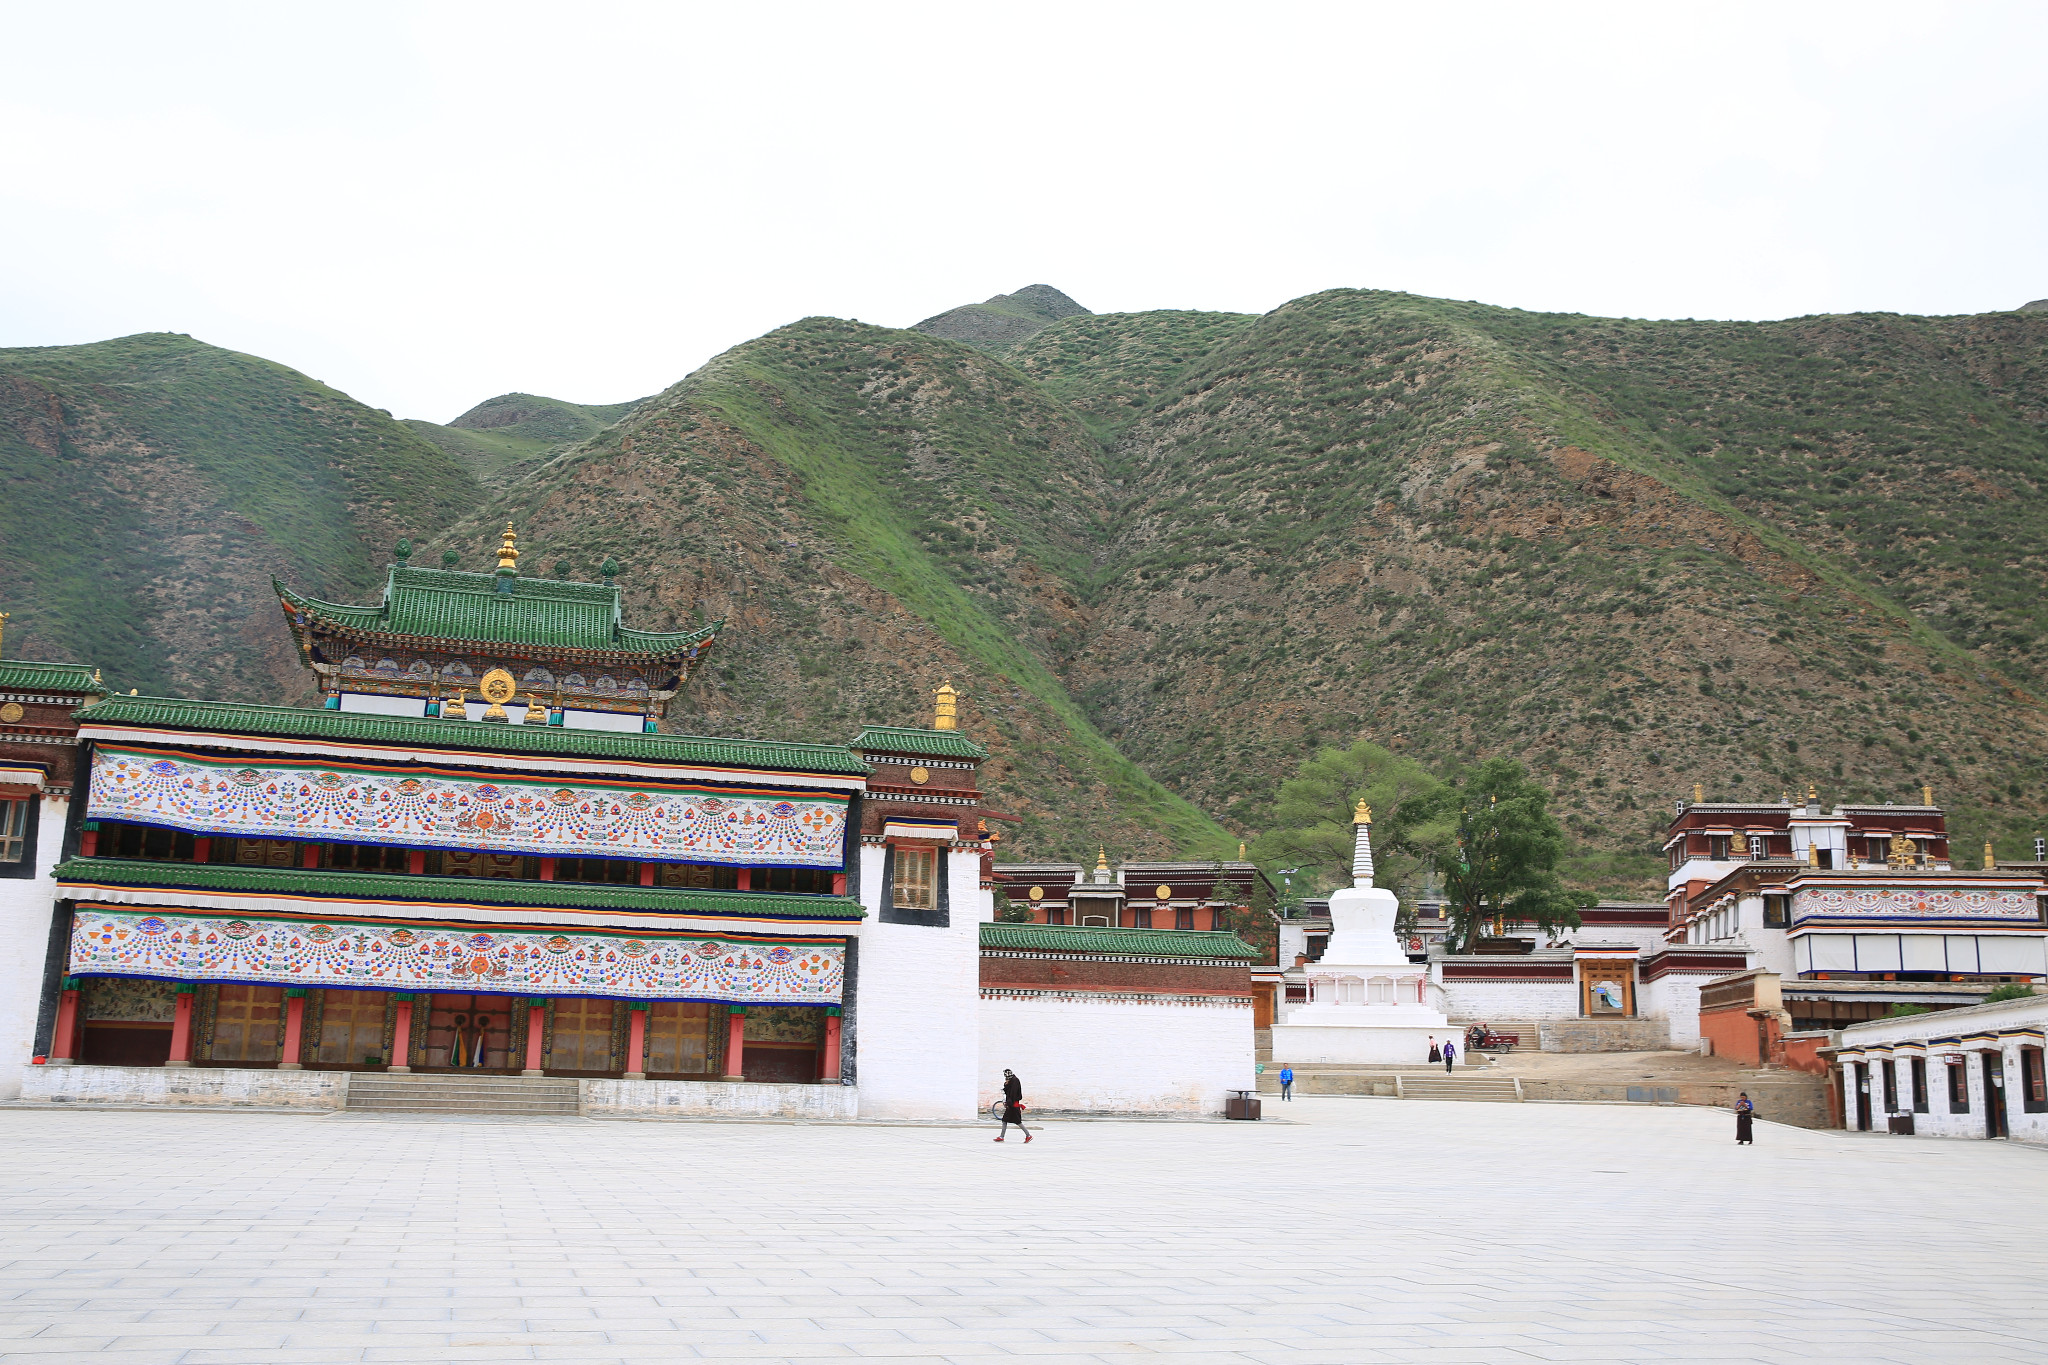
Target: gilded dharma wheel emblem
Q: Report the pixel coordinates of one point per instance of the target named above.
(1164, 893)
(920, 775)
(497, 688)
(1038, 893)
(11, 712)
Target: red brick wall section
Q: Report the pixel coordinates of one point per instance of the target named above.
(1732, 1031)
(1803, 1054)
(1050, 972)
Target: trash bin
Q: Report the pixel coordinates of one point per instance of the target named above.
(1242, 1104)
(1902, 1124)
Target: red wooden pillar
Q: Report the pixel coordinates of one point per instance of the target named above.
(88, 840)
(547, 869)
(311, 857)
(416, 862)
(636, 1040)
(746, 879)
(647, 874)
(828, 1062)
(202, 850)
(401, 1035)
(64, 1047)
(838, 883)
(735, 1038)
(294, 1027)
(181, 1028)
(536, 1027)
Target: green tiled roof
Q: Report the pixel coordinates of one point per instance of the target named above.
(440, 604)
(393, 886)
(938, 743)
(287, 721)
(19, 675)
(1053, 938)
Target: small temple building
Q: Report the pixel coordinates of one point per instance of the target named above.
(481, 856)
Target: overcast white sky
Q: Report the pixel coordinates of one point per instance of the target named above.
(426, 205)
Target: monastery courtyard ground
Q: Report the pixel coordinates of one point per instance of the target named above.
(1362, 1230)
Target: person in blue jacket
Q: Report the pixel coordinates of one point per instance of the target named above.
(1286, 1082)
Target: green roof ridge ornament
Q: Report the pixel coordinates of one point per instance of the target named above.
(403, 552)
(449, 559)
(610, 570)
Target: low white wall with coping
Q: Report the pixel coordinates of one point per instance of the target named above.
(1116, 1057)
(604, 1098)
(174, 1085)
(1529, 1000)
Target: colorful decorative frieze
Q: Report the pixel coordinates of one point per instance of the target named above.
(182, 946)
(1913, 902)
(431, 808)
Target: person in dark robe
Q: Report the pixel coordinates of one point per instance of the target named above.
(1013, 1106)
(1435, 1053)
(1745, 1113)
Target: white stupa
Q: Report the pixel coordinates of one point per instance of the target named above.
(1367, 1001)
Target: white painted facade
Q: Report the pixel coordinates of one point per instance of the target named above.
(2002, 1031)
(26, 907)
(917, 1028)
(1117, 1056)
(1675, 998)
(1498, 1000)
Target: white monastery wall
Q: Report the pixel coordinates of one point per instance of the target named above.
(1116, 1056)
(26, 905)
(1510, 1000)
(2017, 1022)
(1675, 998)
(256, 1086)
(916, 1028)
(601, 1097)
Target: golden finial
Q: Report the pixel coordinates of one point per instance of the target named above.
(1363, 815)
(1812, 794)
(3, 629)
(1699, 793)
(945, 712)
(1990, 858)
(508, 553)
(1813, 855)
(1927, 796)
(1102, 859)
(1240, 850)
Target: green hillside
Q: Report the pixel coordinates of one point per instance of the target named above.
(1167, 555)
(154, 483)
(503, 438)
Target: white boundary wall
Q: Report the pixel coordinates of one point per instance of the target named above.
(1675, 998)
(916, 1030)
(26, 904)
(1493, 1000)
(1117, 1056)
(2019, 1022)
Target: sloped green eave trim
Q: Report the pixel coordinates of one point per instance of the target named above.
(424, 604)
(26, 676)
(286, 721)
(938, 743)
(394, 887)
(1149, 942)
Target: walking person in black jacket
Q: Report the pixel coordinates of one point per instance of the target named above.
(1013, 1106)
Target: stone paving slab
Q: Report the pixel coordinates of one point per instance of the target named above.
(1361, 1232)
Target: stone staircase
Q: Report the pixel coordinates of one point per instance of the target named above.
(1494, 1089)
(502, 1096)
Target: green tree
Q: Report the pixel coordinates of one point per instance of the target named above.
(1008, 911)
(1311, 827)
(2010, 990)
(1494, 842)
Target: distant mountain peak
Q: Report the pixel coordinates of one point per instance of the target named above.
(1004, 319)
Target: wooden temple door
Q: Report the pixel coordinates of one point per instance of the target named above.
(352, 1028)
(247, 1024)
(1994, 1095)
(583, 1036)
(470, 1033)
(678, 1038)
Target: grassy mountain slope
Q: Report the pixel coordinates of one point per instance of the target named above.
(154, 483)
(1004, 319)
(1376, 514)
(873, 511)
(503, 438)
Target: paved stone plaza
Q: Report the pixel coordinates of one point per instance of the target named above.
(1362, 1230)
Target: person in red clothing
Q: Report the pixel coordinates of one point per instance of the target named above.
(1013, 1106)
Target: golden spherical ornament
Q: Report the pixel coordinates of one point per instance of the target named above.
(1164, 893)
(1037, 893)
(920, 775)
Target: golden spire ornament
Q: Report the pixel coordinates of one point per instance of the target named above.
(945, 708)
(508, 553)
(1363, 814)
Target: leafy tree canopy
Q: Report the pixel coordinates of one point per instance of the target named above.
(1495, 844)
(1311, 825)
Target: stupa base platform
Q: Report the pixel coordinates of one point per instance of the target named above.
(1404, 1045)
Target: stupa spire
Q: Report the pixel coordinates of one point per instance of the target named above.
(1361, 848)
